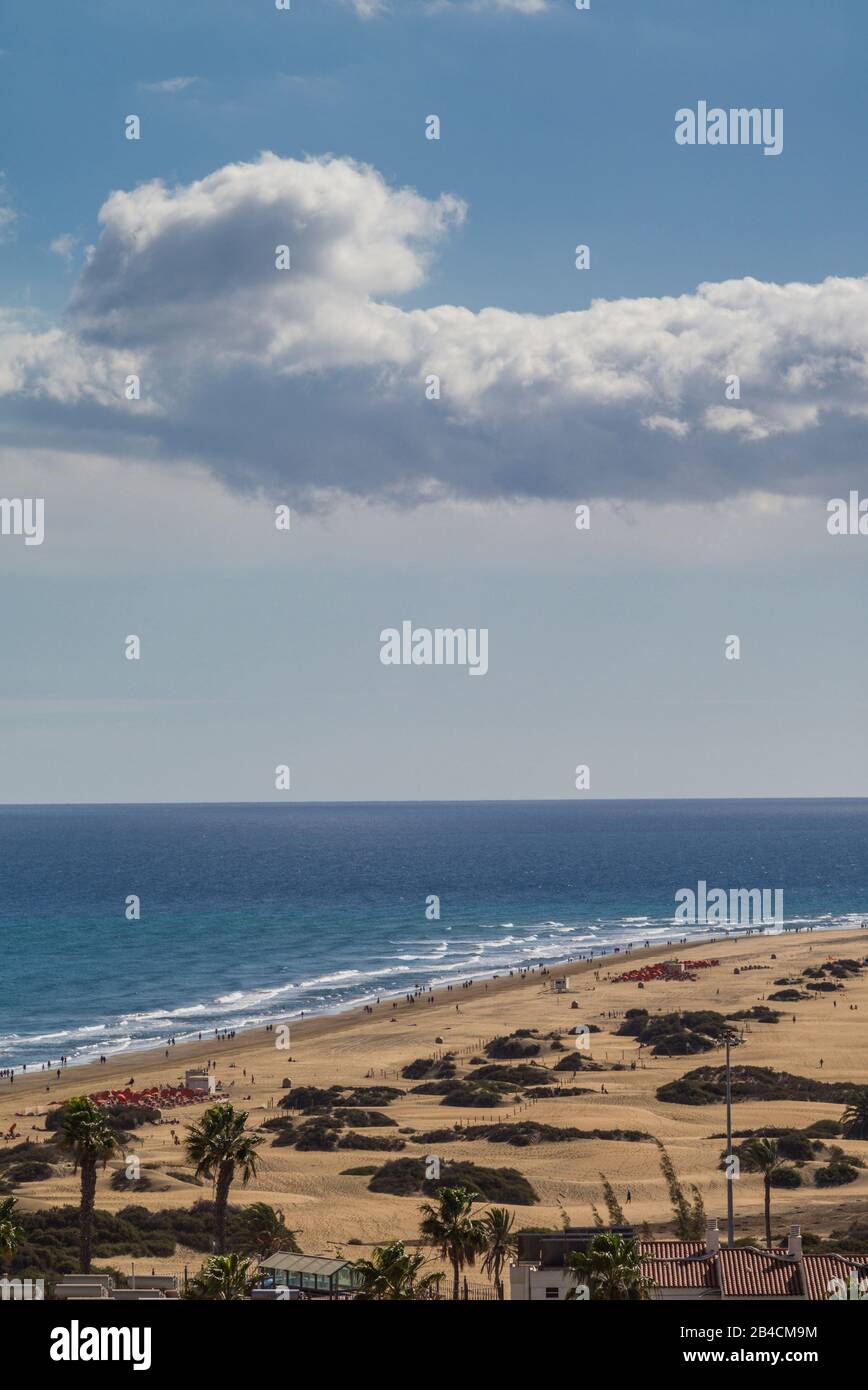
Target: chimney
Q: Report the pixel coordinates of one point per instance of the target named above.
(712, 1238)
(794, 1243)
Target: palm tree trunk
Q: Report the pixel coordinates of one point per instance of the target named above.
(85, 1213)
(768, 1211)
(455, 1278)
(221, 1201)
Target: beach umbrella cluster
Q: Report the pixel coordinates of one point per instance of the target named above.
(662, 970)
(151, 1097)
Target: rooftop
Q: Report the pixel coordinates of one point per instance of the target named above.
(304, 1264)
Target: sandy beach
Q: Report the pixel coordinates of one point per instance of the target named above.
(330, 1209)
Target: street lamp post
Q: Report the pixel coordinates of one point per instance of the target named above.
(730, 1219)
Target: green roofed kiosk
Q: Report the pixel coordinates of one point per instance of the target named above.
(314, 1275)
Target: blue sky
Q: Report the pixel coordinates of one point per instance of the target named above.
(557, 128)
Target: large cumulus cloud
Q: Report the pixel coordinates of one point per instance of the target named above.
(315, 377)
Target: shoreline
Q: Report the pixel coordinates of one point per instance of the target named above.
(326, 1194)
(318, 1026)
(141, 1048)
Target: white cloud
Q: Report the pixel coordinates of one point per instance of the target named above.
(315, 378)
(170, 85)
(679, 429)
(522, 6)
(368, 9)
(64, 246)
(8, 215)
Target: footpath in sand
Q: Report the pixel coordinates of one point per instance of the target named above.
(331, 1209)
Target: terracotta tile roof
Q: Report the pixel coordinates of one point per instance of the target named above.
(821, 1269)
(739, 1273)
(745, 1272)
(748, 1273)
(683, 1274)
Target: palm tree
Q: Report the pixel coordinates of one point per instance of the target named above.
(219, 1148)
(500, 1244)
(224, 1278)
(452, 1229)
(611, 1269)
(11, 1234)
(854, 1125)
(267, 1232)
(391, 1274)
(85, 1134)
(764, 1156)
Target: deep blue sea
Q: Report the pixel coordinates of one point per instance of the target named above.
(252, 913)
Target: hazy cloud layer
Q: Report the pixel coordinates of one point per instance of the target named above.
(170, 85)
(315, 377)
(369, 8)
(8, 215)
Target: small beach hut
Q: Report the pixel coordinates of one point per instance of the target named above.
(316, 1275)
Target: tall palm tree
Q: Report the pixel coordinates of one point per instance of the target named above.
(267, 1231)
(224, 1278)
(611, 1269)
(500, 1244)
(764, 1156)
(85, 1135)
(854, 1125)
(219, 1149)
(392, 1274)
(452, 1229)
(11, 1234)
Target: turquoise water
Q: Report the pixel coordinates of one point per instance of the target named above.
(251, 913)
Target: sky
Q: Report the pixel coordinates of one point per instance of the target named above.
(432, 387)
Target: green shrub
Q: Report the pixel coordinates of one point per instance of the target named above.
(527, 1075)
(578, 1061)
(319, 1098)
(477, 1097)
(518, 1044)
(786, 1177)
(524, 1133)
(369, 1141)
(405, 1177)
(678, 1034)
(30, 1171)
(760, 1013)
(824, 1129)
(50, 1245)
(707, 1085)
(367, 1119)
(119, 1182)
(836, 1174)
(423, 1067)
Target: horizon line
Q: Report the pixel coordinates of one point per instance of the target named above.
(430, 801)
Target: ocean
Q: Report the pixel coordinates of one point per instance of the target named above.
(255, 913)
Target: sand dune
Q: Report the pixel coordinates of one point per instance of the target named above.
(332, 1209)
